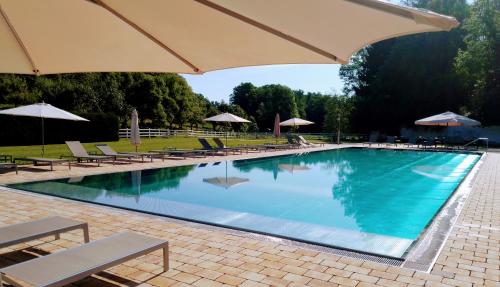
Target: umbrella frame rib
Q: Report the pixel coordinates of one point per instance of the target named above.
(304, 49)
(271, 30)
(19, 41)
(147, 34)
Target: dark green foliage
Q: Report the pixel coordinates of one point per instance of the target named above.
(397, 81)
(102, 127)
(27, 130)
(262, 103)
(312, 106)
(478, 63)
(162, 100)
(338, 112)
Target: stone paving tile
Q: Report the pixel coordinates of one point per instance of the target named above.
(202, 256)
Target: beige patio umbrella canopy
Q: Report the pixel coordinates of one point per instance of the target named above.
(195, 36)
(295, 123)
(448, 119)
(226, 118)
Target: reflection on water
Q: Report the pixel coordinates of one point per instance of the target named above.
(123, 184)
(391, 193)
(225, 182)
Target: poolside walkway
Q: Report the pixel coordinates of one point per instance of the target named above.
(31, 173)
(202, 256)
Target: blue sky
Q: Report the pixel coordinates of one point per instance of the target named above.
(218, 85)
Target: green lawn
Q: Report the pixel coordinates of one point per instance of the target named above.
(123, 145)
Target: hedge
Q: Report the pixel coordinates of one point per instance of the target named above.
(27, 131)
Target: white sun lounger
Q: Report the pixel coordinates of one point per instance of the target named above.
(27, 231)
(65, 267)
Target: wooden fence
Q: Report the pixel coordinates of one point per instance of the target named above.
(151, 132)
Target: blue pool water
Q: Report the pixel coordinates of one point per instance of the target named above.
(376, 201)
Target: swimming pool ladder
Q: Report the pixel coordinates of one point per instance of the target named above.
(477, 140)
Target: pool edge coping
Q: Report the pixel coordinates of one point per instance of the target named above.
(436, 234)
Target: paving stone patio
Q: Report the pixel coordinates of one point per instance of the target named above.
(202, 256)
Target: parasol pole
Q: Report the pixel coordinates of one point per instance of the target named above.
(43, 138)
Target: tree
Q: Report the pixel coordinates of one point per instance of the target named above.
(245, 96)
(14, 91)
(313, 106)
(478, 64)
(399, 80)
(182, 94)
(199, 110)
(274, 99)
(338, 113)
(147, 95)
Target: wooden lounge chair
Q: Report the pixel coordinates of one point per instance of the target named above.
(9, 165)
(65, 267)
(49, 161)
(79, 152)
(27, 231)
(108, 151)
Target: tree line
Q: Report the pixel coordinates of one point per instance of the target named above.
(162, 100)
(397, 81)
(387, 85)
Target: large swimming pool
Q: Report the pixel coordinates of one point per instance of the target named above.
(375, 201)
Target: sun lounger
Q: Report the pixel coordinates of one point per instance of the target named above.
(279, 146)
(454, 142)
(27, 231)
(222, 146)
(390, 141)
(65, 267)
(425, 143)
(294, 142)
(184, 153)
(8, 165)
(108, 151)
(79, 152)
(208, 147)
(372, 140)
(412, 141)
(302, 140)
(49, 161)
(5, 158)
(257, 148)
